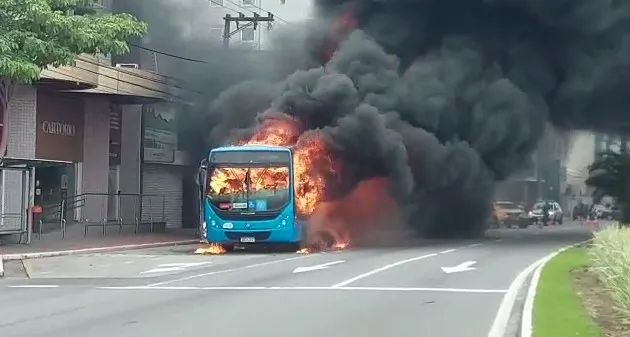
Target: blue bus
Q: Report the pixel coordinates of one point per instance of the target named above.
(247, 197)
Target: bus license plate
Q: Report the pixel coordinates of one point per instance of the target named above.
(248, 239)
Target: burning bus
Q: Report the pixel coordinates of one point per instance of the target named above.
(248, 197)
(265, 186)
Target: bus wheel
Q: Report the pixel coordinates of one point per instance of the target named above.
(326, 239)
(229, 247)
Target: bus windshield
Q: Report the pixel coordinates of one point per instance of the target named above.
(238, 188)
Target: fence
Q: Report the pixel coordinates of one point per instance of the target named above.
(104, 210)
(16, 186)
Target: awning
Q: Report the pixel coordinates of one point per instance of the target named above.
(21, 162)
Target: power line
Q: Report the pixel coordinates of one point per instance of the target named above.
(257, 7)
(213, 63)
(220, 4)
(169, 54)
(123, 70)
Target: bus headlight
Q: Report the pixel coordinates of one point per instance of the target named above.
(204, 230)
(284, 222)
(213, 223)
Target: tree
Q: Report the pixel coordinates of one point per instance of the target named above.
(35, 34)
(610, 175)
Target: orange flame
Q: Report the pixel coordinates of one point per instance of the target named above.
(212, 249)
(313, 168)
(276, 129)
(312, 164)
(229, 180)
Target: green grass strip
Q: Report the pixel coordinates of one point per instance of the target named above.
(558, 311)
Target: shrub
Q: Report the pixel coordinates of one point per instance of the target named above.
(610, 255)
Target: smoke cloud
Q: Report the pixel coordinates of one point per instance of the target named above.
(445, 98)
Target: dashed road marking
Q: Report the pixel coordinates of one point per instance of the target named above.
(376, 289)
(34, 286)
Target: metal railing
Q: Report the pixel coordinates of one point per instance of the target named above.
(106, 210)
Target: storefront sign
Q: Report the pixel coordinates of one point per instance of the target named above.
(115, 135)
(60, 120)
(160, 133)
(59, 128)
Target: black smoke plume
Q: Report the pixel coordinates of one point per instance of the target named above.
(448, 97)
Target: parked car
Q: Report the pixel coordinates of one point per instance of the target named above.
(555, 214)
(611, 212)
(508, 214)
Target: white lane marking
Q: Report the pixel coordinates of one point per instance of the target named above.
(448, 251)
(500, 324)
(317, 267)
(383, 268)
(472, 245)
(393, 289)
(167, 267)
(392, 265)
(223, 271)
(528, 307)
(161, 270)
(1, 267)
(464, 266)
(35, 286)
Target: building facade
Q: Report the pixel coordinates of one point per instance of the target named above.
(545, 177)
(582, 152)
(75, 146)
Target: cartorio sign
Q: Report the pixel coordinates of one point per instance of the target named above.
(59, 128)
(60, 123)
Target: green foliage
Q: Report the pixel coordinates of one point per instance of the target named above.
(610, 254)
(558, 310)
(35, 34)
(610, 175)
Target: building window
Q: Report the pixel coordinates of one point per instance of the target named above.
(248, 2)
(216, 3)
(247, 34)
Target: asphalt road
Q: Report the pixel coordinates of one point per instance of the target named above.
(395, 291)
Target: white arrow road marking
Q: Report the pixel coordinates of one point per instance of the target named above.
(317, 267)
(173, 267)
(464, 266)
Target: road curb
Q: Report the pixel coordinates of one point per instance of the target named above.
(24, 256)
(526, 329)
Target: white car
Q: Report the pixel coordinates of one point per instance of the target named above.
(555, 212)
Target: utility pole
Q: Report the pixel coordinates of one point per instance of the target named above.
(250, 21)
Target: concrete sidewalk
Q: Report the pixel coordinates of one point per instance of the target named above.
(52, 244)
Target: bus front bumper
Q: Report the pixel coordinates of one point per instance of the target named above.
(278, 235)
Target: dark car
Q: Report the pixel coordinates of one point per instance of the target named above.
(508, 214)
